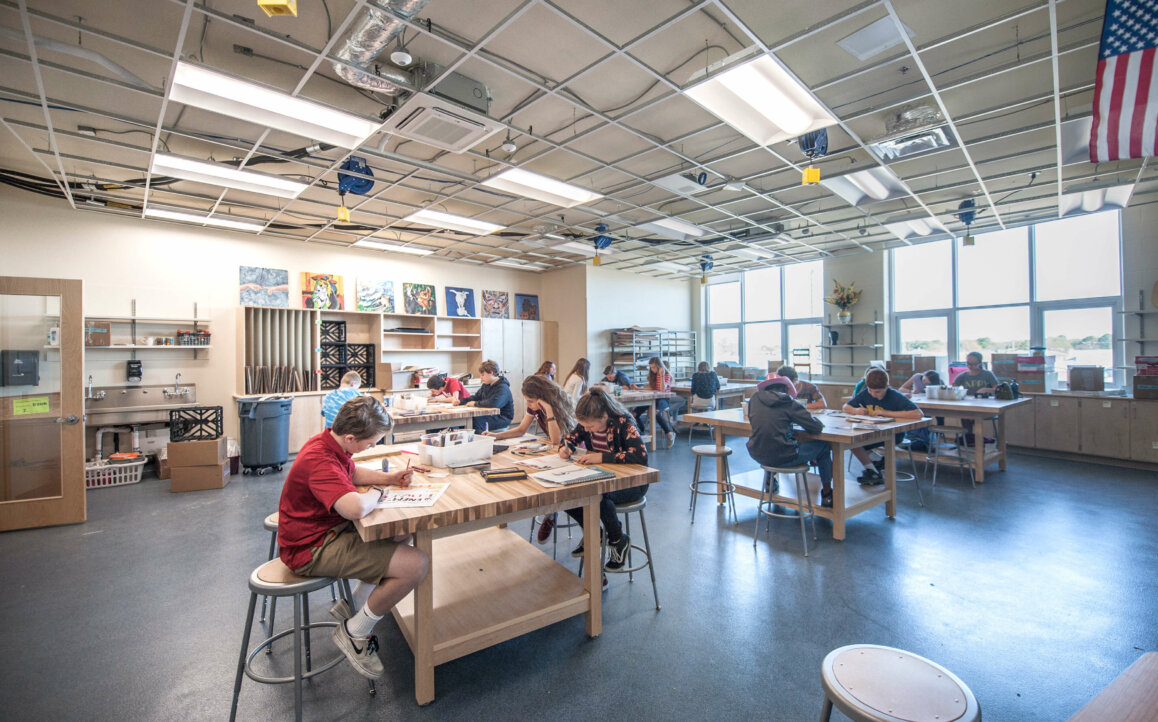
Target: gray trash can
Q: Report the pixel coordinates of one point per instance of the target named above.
(264, 433)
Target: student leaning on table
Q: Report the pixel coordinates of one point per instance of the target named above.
(771, 412)
(495, 392)
(608, 434)
(441, 385)
(917, 382)
(806, 393)
(612, 375)
(333, 401)
(879, 400)
(548, 406)
(316, 535)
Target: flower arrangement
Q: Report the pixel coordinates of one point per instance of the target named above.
(843, 297)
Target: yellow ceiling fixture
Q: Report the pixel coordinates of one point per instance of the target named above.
(279, 7)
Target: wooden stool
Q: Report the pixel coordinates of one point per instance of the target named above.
(629, 568)
(270, 525)
(802, 493)
(721, 454)
(870, 683)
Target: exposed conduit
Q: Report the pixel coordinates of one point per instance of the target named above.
(366, 41)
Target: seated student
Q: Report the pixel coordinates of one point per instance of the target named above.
(316, 535)
(771, 412)
(495, 393)
(611, 375)
(548, 405)
(976, 380)
(879, 400)
(806, 393)
(658, 379)
(547, 369)
(917, 382)
(860, 385)
(447, 388)
(578, 379)
(609, 436)
(347, 389)
(705, 382)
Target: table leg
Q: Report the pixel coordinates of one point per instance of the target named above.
(1001, 441)
(721, 480)
(424, 626)
(652, 423)
(891, 478)
(592, 562)
(979, 449)
(838, 491)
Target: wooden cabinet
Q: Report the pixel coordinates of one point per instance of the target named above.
(1058, 423)
(1144, 431)
(305, 419)
(1105, 427)
(1020, 425)
(518, 348)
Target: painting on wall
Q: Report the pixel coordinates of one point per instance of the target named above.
(322, 290)
(459, 302)
(264, 287)
(526, 307)
(419, 298)
(496, 304)
(375, 296)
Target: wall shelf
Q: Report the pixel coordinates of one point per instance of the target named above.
(133, 320)
(855, 358)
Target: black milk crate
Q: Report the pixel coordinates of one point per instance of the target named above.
(359, 354)
(200, 423)
(366, 371)
(333, 332)
(333, 354)
(332, 377)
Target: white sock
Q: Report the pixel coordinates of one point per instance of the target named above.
(362, 624)
(361, 593)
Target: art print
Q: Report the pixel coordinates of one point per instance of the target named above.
(419, 298)
(375, 296)
(496, 304)
(322, 290)
(526, 307)
(264, 287)
(459, 302)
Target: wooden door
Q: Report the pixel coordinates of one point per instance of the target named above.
(1144, 431)
(41, 404)
(1057, 423)
(1105, 425)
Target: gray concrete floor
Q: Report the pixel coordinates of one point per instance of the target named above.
(1037, 589)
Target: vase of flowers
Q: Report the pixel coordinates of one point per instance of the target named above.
(844, 297)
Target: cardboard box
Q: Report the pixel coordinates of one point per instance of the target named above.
(97, 333)
(1087, 378)
(199, 478)
(924, 363)
(1146, 387)
(163, 464)
(198, 453)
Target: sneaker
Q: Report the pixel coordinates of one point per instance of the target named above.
(879, 464)
(605, 582)
(362, 653)
(341, 610)
(578, 551)
(871, 477)
(545, 528)
(826, 498)
(617, 553)
(670, 439)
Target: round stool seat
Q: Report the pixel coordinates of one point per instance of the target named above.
(711, 450)
(803, 468)
(270, 522)
(274, 579)
(630, 506)
(871, 683)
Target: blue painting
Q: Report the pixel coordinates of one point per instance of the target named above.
(526, 307)
(459, 302)
(264, 287)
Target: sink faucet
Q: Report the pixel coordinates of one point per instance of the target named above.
(177, 384)
(90, 394)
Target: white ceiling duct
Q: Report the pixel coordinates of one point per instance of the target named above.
(366, 41)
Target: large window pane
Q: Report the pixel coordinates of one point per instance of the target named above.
(762, 295)
(925, 337)
(923, 277)
(804, 290)
(995, 270)
(993, 330)
(1078, 257)
(1080, 337)
(805, 335)
(725, 345)
(724, 303)
(761, 344)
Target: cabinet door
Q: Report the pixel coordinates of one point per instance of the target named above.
(1105, 425)
(492, 339)
(1057, 423)
(1144, 431)
(512, 361)
(533, 347)
(305, 420)
(1020, 425)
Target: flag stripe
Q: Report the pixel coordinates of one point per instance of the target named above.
(1150, 113)
(1128, 104)
(1141, 104)
(1125, 113)
(1117, 89)
(1098, 147)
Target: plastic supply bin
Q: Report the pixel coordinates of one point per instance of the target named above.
(264, 433)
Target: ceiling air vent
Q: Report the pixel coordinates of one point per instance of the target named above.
(438, 123)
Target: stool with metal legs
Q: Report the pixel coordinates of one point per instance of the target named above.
(629, 568)
(569, 525)
(937, 436)
(769, 499)
(906, 446)
(721, 454)
(270, 525)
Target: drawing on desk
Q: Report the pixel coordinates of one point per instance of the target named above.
(401, 497)
(571, 474)
(870, 419)
(543, 463)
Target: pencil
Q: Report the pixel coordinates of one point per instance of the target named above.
(408, 463)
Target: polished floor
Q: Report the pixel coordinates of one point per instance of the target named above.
(1037, 589)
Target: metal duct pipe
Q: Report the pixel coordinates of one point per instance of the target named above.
(367, 39)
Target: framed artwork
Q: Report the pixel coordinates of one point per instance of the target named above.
(376, 296)
(496, 304)
(419, 298)
(526, 307)
(322, 290)
(264, 287)
(459, 302)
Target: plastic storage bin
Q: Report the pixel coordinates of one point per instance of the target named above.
(98, 476)
(480, 449)
(264, 433)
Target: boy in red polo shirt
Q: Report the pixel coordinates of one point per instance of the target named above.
(316, 534)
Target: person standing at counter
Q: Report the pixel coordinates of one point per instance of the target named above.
(494, 393)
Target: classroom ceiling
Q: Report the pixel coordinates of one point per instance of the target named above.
(591, 92)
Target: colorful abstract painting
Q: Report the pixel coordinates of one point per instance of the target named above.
(526, 307)
(323, 290)
(419, 298)
(376, 296)
(264, 287)
(459, 302)
(496, 304)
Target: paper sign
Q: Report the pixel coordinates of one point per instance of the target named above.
(1107, 404)
(31, 405)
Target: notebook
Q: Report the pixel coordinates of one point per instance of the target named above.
(572, 474)
(870, 419)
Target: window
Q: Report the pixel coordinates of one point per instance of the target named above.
(724, 303)
(726, 345)
(1078, 257)
(804, 335)
(762, 296)
(923, 277)
(1079, 337)
(762, 344)
(994, 271)
(927, 336)
(993, 330)
(804, 290)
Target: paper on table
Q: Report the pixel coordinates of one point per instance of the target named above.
(571, 474)
(524, 439)
(398, 497)
(551, 461)
(870, 419)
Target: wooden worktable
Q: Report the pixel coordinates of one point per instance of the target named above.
(978, 410)
(648, 398)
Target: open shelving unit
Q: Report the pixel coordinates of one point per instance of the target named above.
(859, 354)
(1142, 343)
(137, 326)
(631, 349)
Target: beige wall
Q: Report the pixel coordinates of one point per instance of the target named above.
(617, 299)
(563, 298)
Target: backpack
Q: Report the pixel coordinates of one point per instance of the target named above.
(1003, 391)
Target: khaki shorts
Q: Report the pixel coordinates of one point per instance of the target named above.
(343, 555)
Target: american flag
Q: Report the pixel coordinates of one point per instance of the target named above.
(1126, 89)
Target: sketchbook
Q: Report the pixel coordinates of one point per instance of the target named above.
(870, 419)
(543, 463)
(400, 497)
(571, 474)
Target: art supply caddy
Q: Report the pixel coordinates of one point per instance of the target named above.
(447, 449)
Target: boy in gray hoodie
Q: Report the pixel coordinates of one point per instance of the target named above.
(772, 411)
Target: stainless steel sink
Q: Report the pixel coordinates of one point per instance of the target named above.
(136, 404)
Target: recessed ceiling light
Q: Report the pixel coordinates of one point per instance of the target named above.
(915, 225)
(762, 100)
(219, 174)
(515, 264)
(450, 221)
(219, 220)
(1094, 197)
(863, 187)
(874, 38)
(674, 228)
(756, 254)
(377, 245)
(587, 249)
(669, 266)
(208, 89)
(541, 188)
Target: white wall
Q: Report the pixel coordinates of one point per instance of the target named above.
(617, 299)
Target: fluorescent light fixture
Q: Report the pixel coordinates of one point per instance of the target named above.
(863, 187)
(587, 249)
(219, 220)
(670, 267)
(438, 219)
(541, 188)
(515, 264)
(913, 144)
(219, 174)
(674, 229)
(756, 254)
(412, 250)
(1094, 197)
(916, 225)
(874, 38)
(220, 93)
(761, 100)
